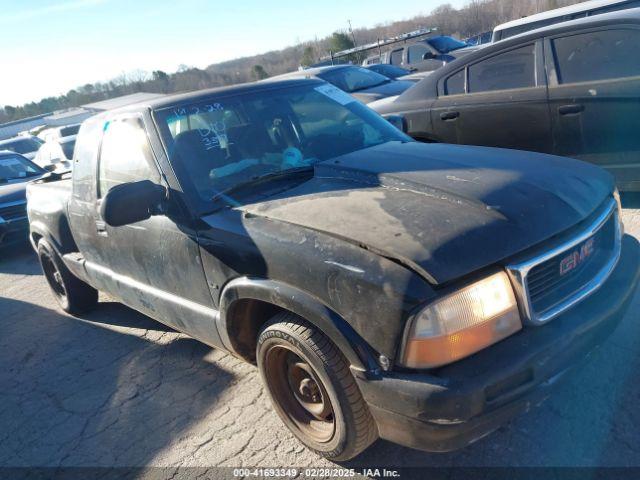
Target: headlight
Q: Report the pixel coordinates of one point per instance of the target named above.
(462, 323)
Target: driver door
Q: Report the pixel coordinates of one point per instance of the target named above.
(154, 265)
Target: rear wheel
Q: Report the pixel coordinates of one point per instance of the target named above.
(312, 389)
(72, 294)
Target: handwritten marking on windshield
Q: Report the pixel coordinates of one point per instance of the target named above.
(346, 267)
(458, 179)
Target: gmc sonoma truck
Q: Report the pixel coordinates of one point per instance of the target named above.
(384, 287)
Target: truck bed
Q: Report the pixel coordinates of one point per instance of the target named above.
(47, 210)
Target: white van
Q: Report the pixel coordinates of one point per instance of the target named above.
(583, 9)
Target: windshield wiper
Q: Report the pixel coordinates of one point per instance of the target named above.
(262, 178)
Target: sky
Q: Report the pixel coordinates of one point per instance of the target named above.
(52, 46)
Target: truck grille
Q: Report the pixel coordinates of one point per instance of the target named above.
(553, 281)
(13, 211)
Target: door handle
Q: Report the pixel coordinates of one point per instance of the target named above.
(101, 227)
(570, 109)
(449, 115)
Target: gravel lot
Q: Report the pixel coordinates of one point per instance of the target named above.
(115, 388)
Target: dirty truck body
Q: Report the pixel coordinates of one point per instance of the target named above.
(385, 288)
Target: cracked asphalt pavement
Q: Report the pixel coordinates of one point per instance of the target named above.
(115, 388)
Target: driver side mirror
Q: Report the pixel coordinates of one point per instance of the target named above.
(428, 56)
(133, 202)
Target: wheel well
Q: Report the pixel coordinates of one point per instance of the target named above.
(35, 237)
(246, 318)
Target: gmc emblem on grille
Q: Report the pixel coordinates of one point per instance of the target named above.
(575, 258)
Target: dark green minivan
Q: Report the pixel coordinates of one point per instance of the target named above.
(571, 89)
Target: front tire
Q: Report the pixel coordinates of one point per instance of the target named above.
(312, 389)
(72, 294)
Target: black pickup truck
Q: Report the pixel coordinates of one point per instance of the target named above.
(384, 287)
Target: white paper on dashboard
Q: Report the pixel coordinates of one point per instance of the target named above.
(335, 94)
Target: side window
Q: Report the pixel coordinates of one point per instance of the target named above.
(396, 57)
(415, 53)
(527, 27)
(85, 157)
(596, 56)
(512, 69)
(125, 155)
(454, 84)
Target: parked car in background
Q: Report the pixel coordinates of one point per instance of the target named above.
(59, 132)
(35, 130)
(559, 15)
(391, 71)
(384, 287)
(56, 154)
(424, 55)
(363, 84)
(479, 39)
(571, 89)
(15, 172)
(26, 145)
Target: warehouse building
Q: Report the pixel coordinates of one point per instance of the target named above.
(72, 115)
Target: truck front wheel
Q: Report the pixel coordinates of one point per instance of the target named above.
(72, 294)
(312, 389)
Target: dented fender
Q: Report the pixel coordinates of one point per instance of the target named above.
(279, 294)
(350, 285)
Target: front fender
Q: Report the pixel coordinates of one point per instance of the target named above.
(359, 354)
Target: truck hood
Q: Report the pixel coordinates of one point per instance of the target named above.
(442, 210)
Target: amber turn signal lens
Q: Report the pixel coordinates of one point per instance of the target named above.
(463, 323)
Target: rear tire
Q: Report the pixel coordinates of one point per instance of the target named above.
(312, 389)
(72, 294)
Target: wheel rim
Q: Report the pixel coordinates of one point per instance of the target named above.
(297, 390)
(53, 276)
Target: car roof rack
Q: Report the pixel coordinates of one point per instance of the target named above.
(404, 37)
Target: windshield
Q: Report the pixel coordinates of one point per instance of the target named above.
(15, 167)
(21, 145)
(446, 44)
(353, 79)
(221, 143)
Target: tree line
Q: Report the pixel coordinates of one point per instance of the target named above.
(475, 17)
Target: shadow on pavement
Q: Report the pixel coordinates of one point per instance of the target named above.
(78, 392)
(111, 313)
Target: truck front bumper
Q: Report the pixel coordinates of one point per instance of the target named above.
(452, 406)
